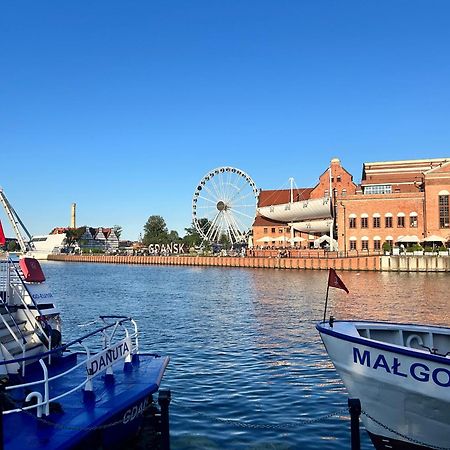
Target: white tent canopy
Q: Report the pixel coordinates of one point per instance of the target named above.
(325, 238)
(265, 239)
(296, 239)
(434, 238)
(408, 239)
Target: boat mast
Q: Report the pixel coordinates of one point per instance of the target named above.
(291, 180)
(15, 221)
(332, 221)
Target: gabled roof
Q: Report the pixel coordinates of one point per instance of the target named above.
(392, 172)
(278, 197)
(386, 171)
(443, 168)
(261, 221)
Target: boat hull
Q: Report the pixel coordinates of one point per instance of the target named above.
(404, 393)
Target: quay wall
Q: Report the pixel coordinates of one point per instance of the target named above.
(357, 263)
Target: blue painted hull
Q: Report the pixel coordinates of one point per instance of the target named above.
(80, 420)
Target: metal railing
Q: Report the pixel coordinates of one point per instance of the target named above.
(43, 401)
(12, 279)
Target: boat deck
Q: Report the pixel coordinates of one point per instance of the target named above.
(121, 398)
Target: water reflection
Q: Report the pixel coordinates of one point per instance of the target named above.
(242, 341)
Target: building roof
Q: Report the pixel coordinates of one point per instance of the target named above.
(399, 171)
(261, 221)
(278, 197)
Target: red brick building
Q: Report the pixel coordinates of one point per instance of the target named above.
(396, 201)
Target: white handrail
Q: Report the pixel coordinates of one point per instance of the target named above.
(46, 380)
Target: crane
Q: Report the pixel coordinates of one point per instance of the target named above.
(15, 221)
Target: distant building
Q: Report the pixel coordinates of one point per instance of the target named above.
(396, 201)
(101, 238)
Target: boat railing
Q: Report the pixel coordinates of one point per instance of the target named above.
(13, 279)
(113, 351)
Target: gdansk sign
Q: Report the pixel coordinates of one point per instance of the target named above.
(168, 249)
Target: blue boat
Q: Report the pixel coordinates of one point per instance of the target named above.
(91, 392)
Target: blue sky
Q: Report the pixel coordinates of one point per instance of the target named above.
(123, 106)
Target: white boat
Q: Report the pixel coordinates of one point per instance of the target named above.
(304, 210)
(38, 247)
(313, 226)
(401, 375)
(42, 246)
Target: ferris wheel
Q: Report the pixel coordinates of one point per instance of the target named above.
(224, 205)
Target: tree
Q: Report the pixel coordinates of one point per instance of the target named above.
(12, 246)
(225, 241)
(192, 237)
(74, 234)
(173, 236)
(155, 231)
(117, 230)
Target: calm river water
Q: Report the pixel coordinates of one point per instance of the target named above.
(243, 343)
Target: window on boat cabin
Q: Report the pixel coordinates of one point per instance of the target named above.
(352, 223)
(364, 222)
(376, 245)
(444, 215)
(352, 245)
(401, 222)
(376, 222)
(364, 245)
(388, 222)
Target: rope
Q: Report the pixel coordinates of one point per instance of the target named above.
(75, 428)
(266, 426)
(414, 441)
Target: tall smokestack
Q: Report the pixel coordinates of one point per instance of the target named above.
(73, 221)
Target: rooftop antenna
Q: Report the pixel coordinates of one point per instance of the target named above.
(15, 221)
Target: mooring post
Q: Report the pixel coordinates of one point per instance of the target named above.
(354, 408)
(3, 382)
(164, 398)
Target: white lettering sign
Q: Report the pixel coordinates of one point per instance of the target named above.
(168, 249)
(135, 411)
(108, 357)
(39, 292)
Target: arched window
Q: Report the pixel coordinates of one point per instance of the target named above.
(401, 220)
(444, 216)
(364, 243)
(413, 219)
(364, 220)
(376, 243)
(388, 220)
(376, 220)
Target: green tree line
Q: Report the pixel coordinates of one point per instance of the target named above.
(156, 232)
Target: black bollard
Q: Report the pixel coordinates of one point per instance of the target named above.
(354, 408)
(3, 382)
(164, 398)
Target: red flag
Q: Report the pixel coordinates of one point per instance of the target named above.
(335, 281)
(2, 235)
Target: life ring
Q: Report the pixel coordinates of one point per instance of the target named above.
(412, 338)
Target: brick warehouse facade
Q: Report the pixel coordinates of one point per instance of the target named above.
(395, 199)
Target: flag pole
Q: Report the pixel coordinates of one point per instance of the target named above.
(326, 299)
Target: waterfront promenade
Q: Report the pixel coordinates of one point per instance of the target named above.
(356, 263)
